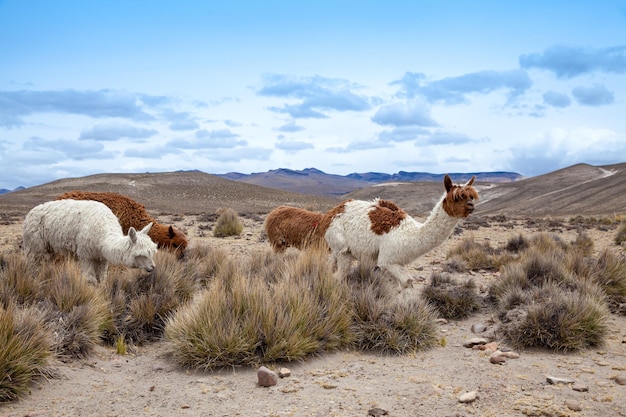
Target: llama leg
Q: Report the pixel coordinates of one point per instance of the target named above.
(344, 263)
(89, 269)
(101, 269)
(399, 273)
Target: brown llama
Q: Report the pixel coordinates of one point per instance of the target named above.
(133, 214)
(292, 226)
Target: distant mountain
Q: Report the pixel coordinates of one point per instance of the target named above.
(315, 182)
(4, 190)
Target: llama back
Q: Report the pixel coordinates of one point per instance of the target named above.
(68, 227)
(128, 212)
(133, 214)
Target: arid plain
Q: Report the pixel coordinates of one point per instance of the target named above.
(348, 383)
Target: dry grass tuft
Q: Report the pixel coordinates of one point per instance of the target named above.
(451, 299)
(141, 303)
(24, 352)
(228, 223)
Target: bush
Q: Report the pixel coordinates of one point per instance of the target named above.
(450, 299)
(228, 224)
(24, 351)
(620, 236)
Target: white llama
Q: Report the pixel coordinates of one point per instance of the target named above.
(88, 230)
(382, 231)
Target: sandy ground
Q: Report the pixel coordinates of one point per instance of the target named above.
(428, 383)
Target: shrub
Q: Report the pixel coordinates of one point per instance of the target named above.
(609, 272)
(24, 351)
(620, 236)
(140, 303)
(450, 299)
(75, 311)
(552, 317)
(386, 323)
(228, 224)
(18, 284)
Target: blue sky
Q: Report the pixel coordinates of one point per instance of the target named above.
(89, 87)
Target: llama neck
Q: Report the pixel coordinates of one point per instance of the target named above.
(436, 229)
(116, 248)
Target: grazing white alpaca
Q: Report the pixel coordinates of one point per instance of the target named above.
(382, 231)
(88, 230)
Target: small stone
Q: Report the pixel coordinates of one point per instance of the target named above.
(620, 379)
(267, 377)
(475, 341)
(478, 328)
(509, 354)
(491, 346)
(580, 387)
(468, 397)
(375, 412)
(556, 380)
(284, 372)
(573, 405)
(497, 359)
(441, 321)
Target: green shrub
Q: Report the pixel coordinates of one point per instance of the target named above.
(228, 224)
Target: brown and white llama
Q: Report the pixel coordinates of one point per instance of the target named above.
(382, 231)
(133, 214)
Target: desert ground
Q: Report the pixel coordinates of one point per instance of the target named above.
(347, 383)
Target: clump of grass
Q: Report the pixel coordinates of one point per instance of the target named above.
(228, 224)
(583, 243)
(542, 303)
(620, 236)
(18, 283)
(205, 263)
(451, 299)
(140, 303)
(386, 323)
(517, 244)
(553, 317)
(477, 256)
(609, 272)
(75, 310)
(242, 319)
(24, 353)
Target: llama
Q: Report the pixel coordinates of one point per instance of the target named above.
(132, 214)
(88, 230)
(382, 231)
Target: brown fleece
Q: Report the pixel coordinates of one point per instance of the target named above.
(385, 216)
(292, 226)
(131, 213)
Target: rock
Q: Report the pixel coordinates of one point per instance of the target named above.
(497, 359)
(267, 377)
(478, 327)
(441, 321)
(475, 341)
(580, 387)
(620, 379)
(468, 397)
(491, 346)
(573, 405)
(508, 354)
(556, 380)
(376, 411)
(284, 372)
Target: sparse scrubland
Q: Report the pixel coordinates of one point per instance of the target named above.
(213, 310)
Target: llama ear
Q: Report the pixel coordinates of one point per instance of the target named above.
(146, 229)
(170, 232)
(471, 181)
(132, 234)
(447, 182)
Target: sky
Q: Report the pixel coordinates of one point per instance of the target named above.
(118, 86)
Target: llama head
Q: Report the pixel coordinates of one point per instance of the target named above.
(177, 241)
(459, 199)
(142, 249)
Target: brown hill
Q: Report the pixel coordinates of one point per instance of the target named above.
(579, 189)
(189, 192)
